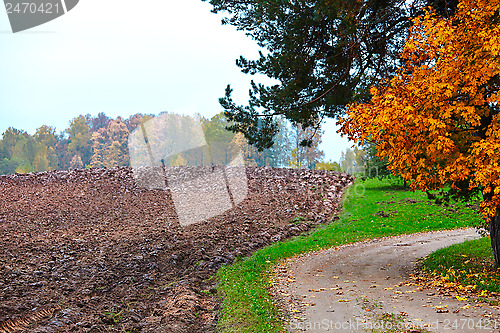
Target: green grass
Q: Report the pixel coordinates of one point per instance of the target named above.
(469, 263)
(373, 208)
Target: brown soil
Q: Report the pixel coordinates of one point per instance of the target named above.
(89, 251)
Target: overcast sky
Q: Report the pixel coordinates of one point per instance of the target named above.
(122, 57)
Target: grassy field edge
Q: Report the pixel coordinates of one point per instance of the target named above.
(467, 267)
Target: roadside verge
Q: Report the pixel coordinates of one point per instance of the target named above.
(372, 209)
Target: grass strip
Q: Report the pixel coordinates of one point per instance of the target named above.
(468, 264)
(371, 209)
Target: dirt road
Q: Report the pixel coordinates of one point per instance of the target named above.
(360, 288)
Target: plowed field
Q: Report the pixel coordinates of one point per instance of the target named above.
(90, 251)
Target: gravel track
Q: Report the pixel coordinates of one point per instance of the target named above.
(349, 288)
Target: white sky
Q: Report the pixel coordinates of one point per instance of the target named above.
(122, 57)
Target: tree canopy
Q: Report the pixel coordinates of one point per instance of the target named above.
(437, 120)
(322, 54)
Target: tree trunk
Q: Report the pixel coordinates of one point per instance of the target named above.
(495, 238)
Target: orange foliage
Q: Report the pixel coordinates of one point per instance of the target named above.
(437, 120)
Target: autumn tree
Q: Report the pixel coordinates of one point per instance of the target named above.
(437, 121)
(63, 154)
(76, 162)
(348, 161)
(98, 122)
(46, 156)
(178, 161)
(353, 161)
(79, 141)
(109, 145)
(330, 166)
(218, 138)
(239, 144)
(135, 120)
(18, 151)
(173, 139)
(21, 152)
(99, 142)
(118, 136)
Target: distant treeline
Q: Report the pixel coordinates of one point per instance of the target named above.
(102, 141)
